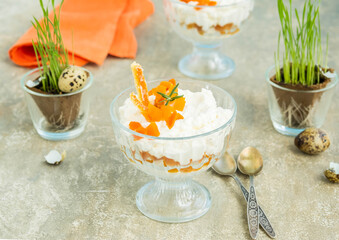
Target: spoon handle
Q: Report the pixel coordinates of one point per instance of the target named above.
(252, 211)
(263, 220)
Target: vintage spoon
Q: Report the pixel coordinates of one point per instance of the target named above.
(227, 166)
(250, 163)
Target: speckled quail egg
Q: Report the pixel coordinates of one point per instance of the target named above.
(72, 78)
(312, 141)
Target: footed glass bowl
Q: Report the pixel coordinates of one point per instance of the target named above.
(173, 196)
(206, 27)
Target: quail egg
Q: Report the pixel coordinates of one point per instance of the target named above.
(72, 78)
(312, 141)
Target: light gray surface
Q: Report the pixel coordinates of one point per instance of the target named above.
(91, 195)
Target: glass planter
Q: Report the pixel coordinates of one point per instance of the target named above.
(293, 110)
(173, 196)
(206, 27)
(57, 117)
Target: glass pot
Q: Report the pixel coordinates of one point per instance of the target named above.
(294, 110)
(57, 117)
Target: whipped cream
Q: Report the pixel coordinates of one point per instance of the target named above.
(207, 18)
(201, 115)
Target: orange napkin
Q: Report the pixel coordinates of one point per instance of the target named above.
(98, 28)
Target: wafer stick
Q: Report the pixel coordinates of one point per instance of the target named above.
(140, 83)
(138, 103)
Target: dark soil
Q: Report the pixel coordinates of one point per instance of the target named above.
(323, 81)
(61, 112)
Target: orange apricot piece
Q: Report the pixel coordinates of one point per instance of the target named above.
(152, 130)
(154, 113)
(161, 89)
(166, 111)
(171, 120)
(172, 81)
(140, 130)
(202, 2)
(134, 125)
(158, 98)
(179, 116)
(179, 104)
(137, 127)
(146, 116)
(168, 85)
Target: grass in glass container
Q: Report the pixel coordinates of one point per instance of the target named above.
(303, 66)
(52, 59)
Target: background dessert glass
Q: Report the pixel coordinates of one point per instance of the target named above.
(206, 27)
(174, 196)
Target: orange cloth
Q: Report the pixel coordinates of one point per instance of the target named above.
(99, 28)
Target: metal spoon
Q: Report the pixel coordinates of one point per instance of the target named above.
(227, 166)
(250, 163)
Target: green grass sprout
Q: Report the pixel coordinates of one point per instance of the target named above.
(51, 55)
(303, 56)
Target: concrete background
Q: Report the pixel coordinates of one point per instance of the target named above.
(91, 195)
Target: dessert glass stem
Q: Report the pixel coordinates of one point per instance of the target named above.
(173, 200)
(206, 62)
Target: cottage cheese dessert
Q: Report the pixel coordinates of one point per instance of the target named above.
(170, 112)
(221, 18)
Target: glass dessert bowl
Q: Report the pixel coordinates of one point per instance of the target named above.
(174, 151)
(206, 24)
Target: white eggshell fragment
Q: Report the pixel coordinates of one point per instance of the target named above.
(30, 84)
(54, 157)
(332, 174)
(34, 83)
(335, 167)
(72, 79)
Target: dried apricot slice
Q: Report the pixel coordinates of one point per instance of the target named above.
(154, 113)
(134, 125)
(137, 127)
(172, 81)
(201, 2)
(152, 130)
(166, 84)
(179, 104)
(179, 116)
(166, 111)
(158, 98)
(171, 120)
